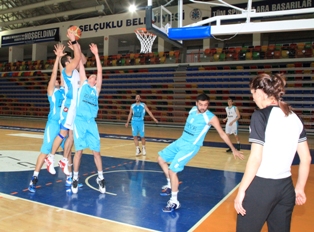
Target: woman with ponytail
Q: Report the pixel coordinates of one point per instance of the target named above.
(266, 192)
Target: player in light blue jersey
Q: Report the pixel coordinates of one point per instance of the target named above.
(137, 113)
(233, 116)
(181, 151)
(71, 77)
(85, 130)
(55, 93)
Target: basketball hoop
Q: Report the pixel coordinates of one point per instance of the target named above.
(146, 39)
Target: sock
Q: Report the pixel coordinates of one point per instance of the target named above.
(174, 196)
(51, 156)
(64, 159)
(100, 175)
(168, 182)
(75, 175)
(36, 174)
(137, 147)
(238, 142)
(143, 146)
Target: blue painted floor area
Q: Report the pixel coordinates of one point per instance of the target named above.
(133, 198)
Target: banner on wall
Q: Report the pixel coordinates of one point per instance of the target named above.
(31, 37)
(265, 6)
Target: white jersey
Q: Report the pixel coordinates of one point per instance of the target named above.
(232, 115)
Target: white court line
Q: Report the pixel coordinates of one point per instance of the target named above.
(212, 210)
(35, 136)
(71, 211)
(114, 194)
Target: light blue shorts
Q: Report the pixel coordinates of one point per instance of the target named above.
(86, 134)
(51, 131)
(179, 153)
(138, 128)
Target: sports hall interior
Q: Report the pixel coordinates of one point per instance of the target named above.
(168, 82)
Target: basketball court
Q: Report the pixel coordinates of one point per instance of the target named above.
(132, 203)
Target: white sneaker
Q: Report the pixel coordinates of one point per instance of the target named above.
(50, 166)
(138, 151)
(64, 166)
(143, 151)
(74, 186)
(102, 185)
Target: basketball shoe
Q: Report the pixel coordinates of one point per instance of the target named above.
(74, 186)
(32, 185)
(49, 163)
(165, 191)
(102, 185)
(171, 206)
(229, 150)
(68, 182)
(63, 164)
(137, 151)
(143, 151)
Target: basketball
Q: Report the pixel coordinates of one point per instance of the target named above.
(77, 31)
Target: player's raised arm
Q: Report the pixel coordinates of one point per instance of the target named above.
(82, 73)
(59, 48)
(94, 50)
(77, 53)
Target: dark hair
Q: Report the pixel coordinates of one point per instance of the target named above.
(202, 97)
(64, 59)
(273, 86)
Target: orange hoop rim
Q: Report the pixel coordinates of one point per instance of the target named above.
(142, 31)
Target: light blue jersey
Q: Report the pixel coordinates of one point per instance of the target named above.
(55, 102)
(52, 128)
(196, 126)
(85, 130)
(138, 112)
(87, 102)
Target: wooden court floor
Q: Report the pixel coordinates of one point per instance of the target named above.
(23, 215)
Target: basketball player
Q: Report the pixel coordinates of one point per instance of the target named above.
(71, 78)
(86, 133)
(55, 93)
(233, 115)
(181, 151)
(266, 192)
(137, 112)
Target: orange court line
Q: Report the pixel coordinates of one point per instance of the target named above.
(223, 219)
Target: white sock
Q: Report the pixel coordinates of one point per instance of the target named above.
(51, 156)
(168, 183)
(174, 196)
(35, 173)
(100, 175)
(143, 146)
(64, 159)
(75, 175)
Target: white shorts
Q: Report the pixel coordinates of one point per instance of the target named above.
(67, 118)
(232, 129)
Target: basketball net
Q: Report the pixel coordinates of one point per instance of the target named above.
(146, 39)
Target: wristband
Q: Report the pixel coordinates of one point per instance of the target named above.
(73, 42)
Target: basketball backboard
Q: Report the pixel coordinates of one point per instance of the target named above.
(166, 20)
(162, 15)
